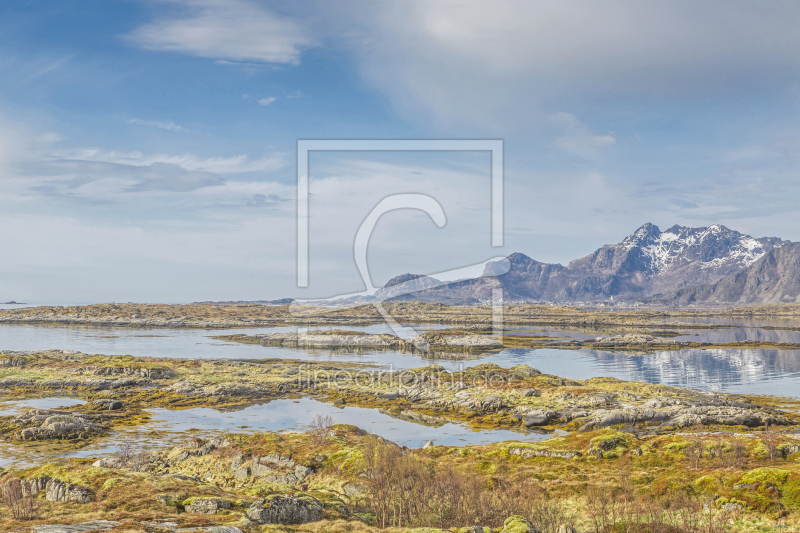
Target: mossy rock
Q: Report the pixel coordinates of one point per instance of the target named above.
(517, 524)
(172, 500)
(775, 485)
(192, 499)
(348, 429)
(112, 482)
(766, 476)
(352, 462)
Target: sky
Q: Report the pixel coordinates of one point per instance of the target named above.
(148, 148)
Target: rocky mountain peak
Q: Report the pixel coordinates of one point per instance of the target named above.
(645, 234)
(709, 247)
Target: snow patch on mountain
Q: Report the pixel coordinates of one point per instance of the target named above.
(680, 245)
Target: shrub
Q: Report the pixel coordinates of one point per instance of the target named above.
(21, 506)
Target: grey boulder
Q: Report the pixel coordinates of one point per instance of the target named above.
(285, 510)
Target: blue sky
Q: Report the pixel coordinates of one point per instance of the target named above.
(147, 148)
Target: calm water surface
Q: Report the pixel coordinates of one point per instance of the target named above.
(760, 371)
(756, 371)
(274, 416)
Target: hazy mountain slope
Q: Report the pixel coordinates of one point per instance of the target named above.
(404, 283)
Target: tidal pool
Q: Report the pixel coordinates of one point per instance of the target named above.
(167, 428)
(23, 404)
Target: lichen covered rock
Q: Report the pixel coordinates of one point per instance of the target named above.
(285, 510)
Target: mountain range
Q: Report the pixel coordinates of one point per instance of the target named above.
(678, 266)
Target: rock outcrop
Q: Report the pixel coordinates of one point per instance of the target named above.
(59, 491)
(207, 505)
(285, 510)
(55, 425)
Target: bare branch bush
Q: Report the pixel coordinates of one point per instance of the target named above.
(124, 453)
(320, 428)
(22, 506)
(408, 491)
(770, 439)
(129, 457)
(694, 450)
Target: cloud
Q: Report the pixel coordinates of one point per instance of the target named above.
(266, 101)
(234, 30)
(223, 165)
(497, 64)
(256, 200)
(163, 125)
(577, 137)
(500, 65)
(74, 175)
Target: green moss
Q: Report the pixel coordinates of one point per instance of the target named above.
(192, 499)
(436, 450)
(123, 361)
(351, 462)
(517, 524)
(707, 484)
(766, 476)
(111, 483)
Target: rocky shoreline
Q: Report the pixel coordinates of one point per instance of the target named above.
(222, 316)
(424, 342)
(730, 454)
(333, 478)
(119, 389)
(477, 339)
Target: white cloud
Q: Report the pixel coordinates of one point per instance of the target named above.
(498, 64)
(577, 138)
(160, 124)
(100, 179)
(223, 165)
(266, 101)
(235, 30)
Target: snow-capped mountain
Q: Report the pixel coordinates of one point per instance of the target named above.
(646, 263)
(651, 261)
(710, 248)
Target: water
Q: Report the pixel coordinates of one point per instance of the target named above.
(728, 334)
(776, 322)
(274, 416)
(23, 404)
(752, 371)
(757, 371)
(740, 335)
(155, 342)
